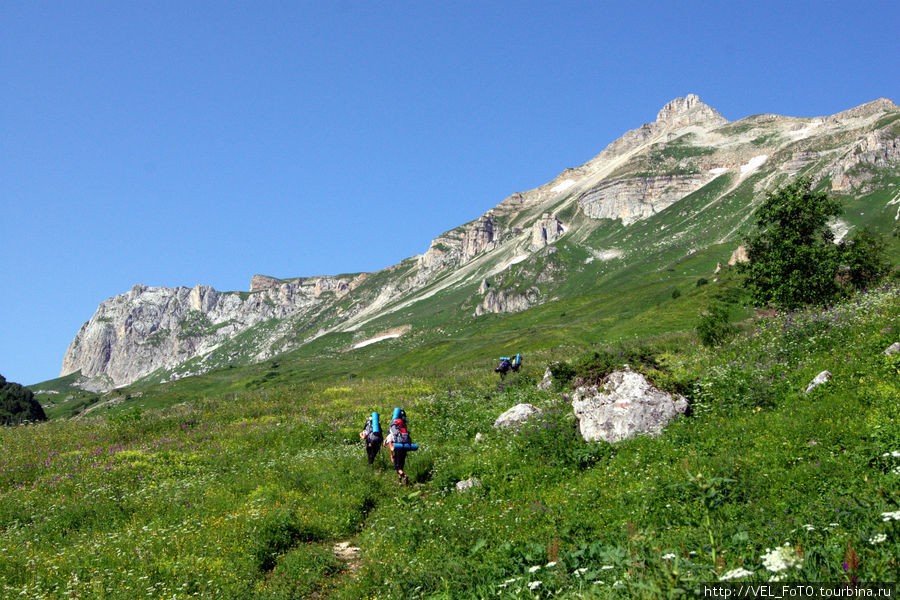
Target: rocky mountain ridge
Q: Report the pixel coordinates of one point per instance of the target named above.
(688, 170)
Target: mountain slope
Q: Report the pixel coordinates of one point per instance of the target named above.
(683, 185)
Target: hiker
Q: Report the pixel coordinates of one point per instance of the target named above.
(508, 364)
(399, 443)
(372, 436)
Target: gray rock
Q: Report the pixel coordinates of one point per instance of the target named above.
(819, 380)
(502, 301)
(516, 416)
(479, 437)
(546, 230)
(626, 406)
(547, 382)
(893, 349)
(739, 256)
(467, 484)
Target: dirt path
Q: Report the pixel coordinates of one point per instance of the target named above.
(349, 554)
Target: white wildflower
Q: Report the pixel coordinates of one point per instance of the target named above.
(809, 527)
(895, 454)
(533, 585)
(550, 564)
(891, 516)
(668, 556)
(877, 539)
(581, 571)
(606, 567)
(735, 573)
(781, 559)
(534, 568)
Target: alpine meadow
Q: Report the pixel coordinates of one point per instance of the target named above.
(708, 319)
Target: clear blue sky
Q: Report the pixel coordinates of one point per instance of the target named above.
(176, 143)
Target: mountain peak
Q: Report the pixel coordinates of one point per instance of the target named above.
(689, 110)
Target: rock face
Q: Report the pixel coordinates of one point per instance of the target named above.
(739, 256)
(501, 301)
(516, 416)
(689, 110)
(263, 282)
(546, 230)
(634, 199)
(628, 405)
(876, 149)
(150, 328)
(892, 349)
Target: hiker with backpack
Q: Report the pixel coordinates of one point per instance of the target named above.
(508, 364)
(372, 436)
(399, 443)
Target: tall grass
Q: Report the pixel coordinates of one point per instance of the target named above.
(242, 494)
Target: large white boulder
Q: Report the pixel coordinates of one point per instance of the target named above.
(626, 406)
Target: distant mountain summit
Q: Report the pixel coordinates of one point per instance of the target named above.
(684, 184)
(689, 110)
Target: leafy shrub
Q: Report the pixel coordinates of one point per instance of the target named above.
(562, 373)
(713, 329)
(592, 370)
(864, 255)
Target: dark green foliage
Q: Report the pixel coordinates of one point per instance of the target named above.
(713, 329)
(864, 256)
(17, 404)
(676, 293)
(702, 281)
(793, 258)
(278, 533)
(562, 373)
(600, 364)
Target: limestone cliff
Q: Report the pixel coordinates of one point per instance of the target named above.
(151, 328)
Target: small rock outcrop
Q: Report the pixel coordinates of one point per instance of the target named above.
(263, 282)
(821, 378)
(626, 406)
(467, 484)
(877, 149)
(516, 416)
(546, 230)
(501, 301)
(547, 382)
(892, 349)
(739, 256)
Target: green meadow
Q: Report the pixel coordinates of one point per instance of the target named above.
(239, 483)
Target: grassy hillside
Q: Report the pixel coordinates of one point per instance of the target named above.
(237, 484)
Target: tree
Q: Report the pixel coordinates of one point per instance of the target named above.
(793, 258)
(864, 257)
(17, 404)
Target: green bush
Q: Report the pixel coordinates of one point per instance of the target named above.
(713, 329)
